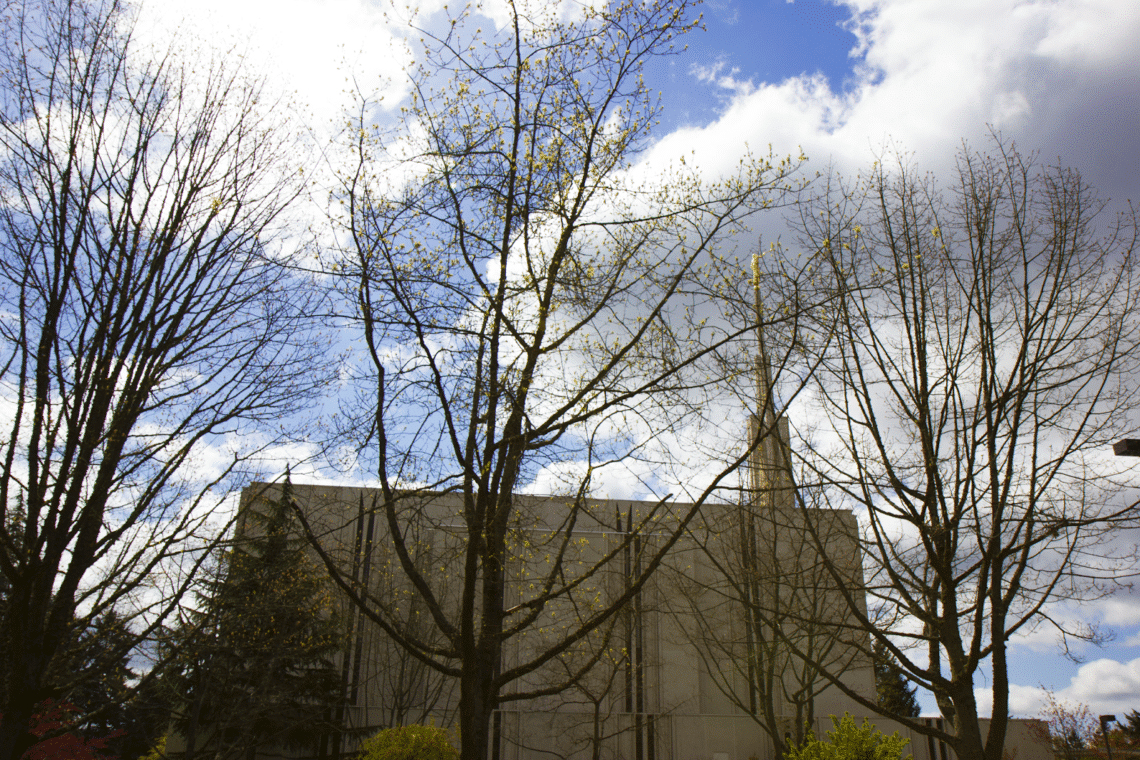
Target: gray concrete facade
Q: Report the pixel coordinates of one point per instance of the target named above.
(660, 691)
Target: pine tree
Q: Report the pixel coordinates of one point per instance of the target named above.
(1130, 728)
(895, 692)
(99, 715)
(256, 666)
(104, 647)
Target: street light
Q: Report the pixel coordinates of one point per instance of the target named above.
(1106, 719)
(1127, 447)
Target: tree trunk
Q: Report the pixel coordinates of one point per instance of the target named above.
(25, 687)
(15, 736)
(476, 706)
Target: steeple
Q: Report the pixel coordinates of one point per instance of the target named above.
(770, 473)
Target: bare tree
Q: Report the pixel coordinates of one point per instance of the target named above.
(408, 689)
(616, 708)
(151, 340)
(760, 606)
(985, 356)
(530, 309)
(1070, 729)
(765, 616)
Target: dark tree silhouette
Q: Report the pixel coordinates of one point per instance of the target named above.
(255, 668)
(896, 693)
(148, 319)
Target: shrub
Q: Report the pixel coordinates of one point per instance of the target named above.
(409, 743)
(851, 742)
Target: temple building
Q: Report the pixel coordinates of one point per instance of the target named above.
(718, 655)
(690, 668)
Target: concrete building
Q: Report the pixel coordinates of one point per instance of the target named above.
(686, 670)
(689, 669)
(653, 695)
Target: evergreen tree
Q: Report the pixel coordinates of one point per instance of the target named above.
(256, 662)
(124, 725)
(895, 692)
(1130, 728)
(123, 716)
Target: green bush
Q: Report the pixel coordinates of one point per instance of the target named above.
(851, 742)
(409, 743)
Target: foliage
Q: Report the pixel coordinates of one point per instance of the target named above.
(409, 743)
(106, 712)
(895, 692)
(256, 668)
(113, 705)
(851, 742)
(1070, 728)
(157, 752)
(1130, 728)
(148, 315)
(51, 717)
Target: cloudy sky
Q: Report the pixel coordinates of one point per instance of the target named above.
(841, 80)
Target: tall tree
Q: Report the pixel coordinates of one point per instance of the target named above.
(256, 670)
(149, 323)
(530, 308)
(986, 340)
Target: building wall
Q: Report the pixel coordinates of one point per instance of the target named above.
(656, 693)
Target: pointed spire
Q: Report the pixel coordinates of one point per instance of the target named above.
(770, 463)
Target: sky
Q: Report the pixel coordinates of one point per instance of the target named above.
(843, 81)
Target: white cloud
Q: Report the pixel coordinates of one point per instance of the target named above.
(1105, 685)
(1120, 610)
(1062, 77)
(1091, 33)
(321, 50)
(1024, 701)
(714, 74)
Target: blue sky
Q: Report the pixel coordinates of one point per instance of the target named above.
(840, 80)
(765, 41)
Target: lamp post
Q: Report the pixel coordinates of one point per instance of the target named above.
(1105, 720)
(1127, 447)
